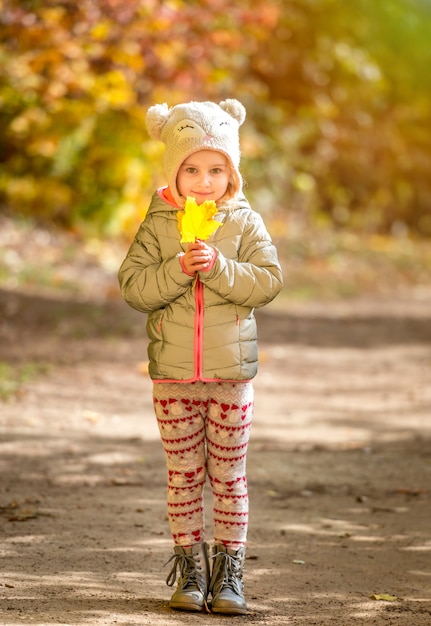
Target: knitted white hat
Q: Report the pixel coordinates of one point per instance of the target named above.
(188, 128)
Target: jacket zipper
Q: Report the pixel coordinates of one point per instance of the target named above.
(199, 324)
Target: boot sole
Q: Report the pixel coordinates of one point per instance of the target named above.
(186, 607)
(227, 611)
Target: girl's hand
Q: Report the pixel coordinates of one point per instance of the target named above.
(198, 257)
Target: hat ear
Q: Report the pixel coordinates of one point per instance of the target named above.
(234, 108)
(156, 118)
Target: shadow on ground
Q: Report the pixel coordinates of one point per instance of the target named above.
(339, 470)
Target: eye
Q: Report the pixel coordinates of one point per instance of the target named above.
(224, 123)
(180, 128)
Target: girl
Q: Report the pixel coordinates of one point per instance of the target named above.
(202, 350)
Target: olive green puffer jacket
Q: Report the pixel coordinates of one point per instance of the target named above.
(201, 329)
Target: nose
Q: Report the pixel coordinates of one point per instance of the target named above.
(204, 179)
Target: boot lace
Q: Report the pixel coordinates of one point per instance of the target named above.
(188, 573)
(226, 573)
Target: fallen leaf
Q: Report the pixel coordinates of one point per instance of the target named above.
(385, 597)
(409, 492)
(12, 505)
(23, 515)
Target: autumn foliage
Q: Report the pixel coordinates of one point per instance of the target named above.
(337, 95)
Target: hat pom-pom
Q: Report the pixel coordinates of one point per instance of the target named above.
(155, 119)
(234, 108)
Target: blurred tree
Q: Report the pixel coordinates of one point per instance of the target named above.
(350, 102)
(75, 85)
(337, 99)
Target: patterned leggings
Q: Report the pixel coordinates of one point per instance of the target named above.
(205, 429)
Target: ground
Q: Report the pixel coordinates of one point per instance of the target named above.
(339, 466)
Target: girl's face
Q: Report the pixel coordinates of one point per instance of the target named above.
(204, 175)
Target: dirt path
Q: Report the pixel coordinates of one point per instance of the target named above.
(339, 469)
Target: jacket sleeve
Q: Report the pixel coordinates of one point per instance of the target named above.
(255, 278)
(147, 281)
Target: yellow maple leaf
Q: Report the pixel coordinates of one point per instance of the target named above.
(384, 596)
(197, 220)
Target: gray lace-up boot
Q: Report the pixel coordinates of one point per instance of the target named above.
(193, 580)
(226, 586)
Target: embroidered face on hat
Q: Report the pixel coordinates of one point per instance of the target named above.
(188, 128)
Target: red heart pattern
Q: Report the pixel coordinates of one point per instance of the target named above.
(205, 439)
